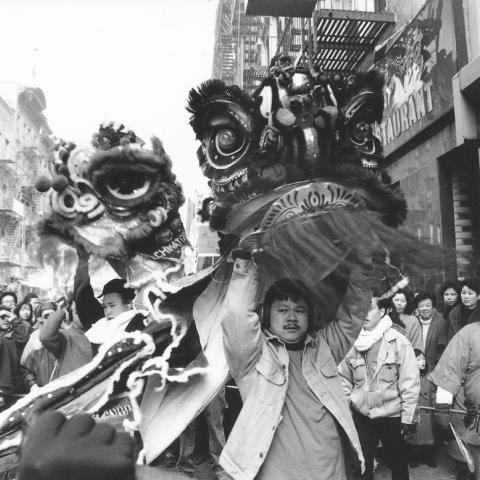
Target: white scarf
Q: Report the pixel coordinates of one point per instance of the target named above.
(104, 329)
(367, 338)
(425, 326)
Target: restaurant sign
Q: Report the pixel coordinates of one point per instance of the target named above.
(419, 65)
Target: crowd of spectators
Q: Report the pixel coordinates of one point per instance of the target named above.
(42, 339)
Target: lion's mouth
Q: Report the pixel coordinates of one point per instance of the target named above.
(275, 175)
(369, 164)
(230, 183)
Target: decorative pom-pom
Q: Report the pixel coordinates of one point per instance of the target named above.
(59, 183)
(43, 184)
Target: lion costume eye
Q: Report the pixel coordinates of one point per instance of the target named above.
(128, 185)
(128, 179)
(226, 141)
(360, 132)
(226, 146)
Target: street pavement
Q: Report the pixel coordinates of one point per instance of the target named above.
(444, 471)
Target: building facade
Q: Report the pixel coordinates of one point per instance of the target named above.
(25, 139)
(429, 51)
(244, 44)
(430, 127)
(203, 240)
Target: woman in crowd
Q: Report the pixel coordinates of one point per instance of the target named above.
(24, 311)
(434, 337)
(468, 309)
(402, 316)
(449, 293)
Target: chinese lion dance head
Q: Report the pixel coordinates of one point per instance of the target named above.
(115, 198)
(298, 125)
(296, 170)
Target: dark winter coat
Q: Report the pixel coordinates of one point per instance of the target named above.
(436, 341)
(455, 319)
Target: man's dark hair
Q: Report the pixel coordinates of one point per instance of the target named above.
(425, 296)
(472, 284)
(29, 296)
(7, 294)
(289, 289)
(385, 303)
(446, 285)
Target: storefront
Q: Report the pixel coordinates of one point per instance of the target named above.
(437, 173)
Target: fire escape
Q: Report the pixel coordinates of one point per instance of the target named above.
(12, 221)
(337, 35)
(225, 52)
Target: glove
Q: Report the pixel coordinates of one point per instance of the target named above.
(407, 429)
(55, 448)
(443, 397)
(242, 254)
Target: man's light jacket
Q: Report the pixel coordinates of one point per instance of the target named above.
(394, 387)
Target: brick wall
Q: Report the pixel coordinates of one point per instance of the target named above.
(465, 206)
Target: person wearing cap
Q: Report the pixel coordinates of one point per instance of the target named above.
(75, 347)
(114, 314)
(380, 378)
(120, 315)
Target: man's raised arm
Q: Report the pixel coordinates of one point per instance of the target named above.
(344, 329)
(241, 325)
